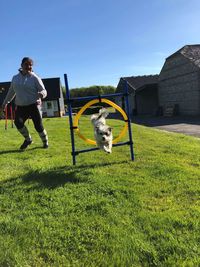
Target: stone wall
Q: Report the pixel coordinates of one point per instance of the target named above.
(179, 84)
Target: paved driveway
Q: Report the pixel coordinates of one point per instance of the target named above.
(185, 125)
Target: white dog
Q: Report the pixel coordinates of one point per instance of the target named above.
(102, 132)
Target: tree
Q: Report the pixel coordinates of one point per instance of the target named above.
(88, 91)
(92, 90)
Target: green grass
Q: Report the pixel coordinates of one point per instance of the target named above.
(106, 210)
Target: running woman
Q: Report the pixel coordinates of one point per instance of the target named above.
(28, 90)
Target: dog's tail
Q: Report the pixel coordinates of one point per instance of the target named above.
(103, 112)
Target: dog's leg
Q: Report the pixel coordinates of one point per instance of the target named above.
(107, 149)
(110, 147)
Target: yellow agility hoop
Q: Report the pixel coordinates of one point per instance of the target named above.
(92, 102)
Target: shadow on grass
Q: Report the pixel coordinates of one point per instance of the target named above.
(18, 150)
(100, 164)
(53, 178)
(38, 179)
(66, 174)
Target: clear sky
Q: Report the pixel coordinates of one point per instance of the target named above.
(94, 41)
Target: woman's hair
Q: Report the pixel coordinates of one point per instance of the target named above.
(26, 59)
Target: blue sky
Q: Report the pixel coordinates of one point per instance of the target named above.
(95, 41)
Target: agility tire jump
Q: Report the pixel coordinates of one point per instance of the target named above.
(90, 103)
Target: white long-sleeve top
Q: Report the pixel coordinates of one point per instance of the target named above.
(25, 89)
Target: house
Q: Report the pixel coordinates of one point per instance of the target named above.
(179, 81)
(143, 94)
(4, 86)
(3, 92)
(52, 105)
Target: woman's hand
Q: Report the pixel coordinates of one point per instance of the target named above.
(39, 102)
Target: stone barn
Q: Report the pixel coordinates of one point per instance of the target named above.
(143, 94)
(179, 82)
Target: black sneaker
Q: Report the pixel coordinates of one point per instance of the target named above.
(45, 145)
(25, 144)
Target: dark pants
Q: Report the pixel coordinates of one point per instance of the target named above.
(24, 112)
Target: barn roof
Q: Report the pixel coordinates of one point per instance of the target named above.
(135, 83)
(191, 52)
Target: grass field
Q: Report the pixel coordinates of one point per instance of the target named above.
(106, 210)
